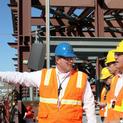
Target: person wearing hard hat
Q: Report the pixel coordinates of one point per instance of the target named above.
(115, 102)
(110, 62)
(106, 78)
(64, 92)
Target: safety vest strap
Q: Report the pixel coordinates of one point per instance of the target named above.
(63, 101)
(108, 105)
(47, 77)
(79, 80)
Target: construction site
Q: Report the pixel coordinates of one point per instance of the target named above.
(92, 27)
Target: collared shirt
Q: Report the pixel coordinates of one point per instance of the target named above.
(62, 78)
(33, 79)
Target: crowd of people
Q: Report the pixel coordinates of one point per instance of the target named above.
(64, 92)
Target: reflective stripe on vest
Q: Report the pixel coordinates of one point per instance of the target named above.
(48, 100)
(72, 102)
(116, 108)
(79, 80)
(108, 105)
(47, 77)
(63, 101)
(119, 108)
(48, 74)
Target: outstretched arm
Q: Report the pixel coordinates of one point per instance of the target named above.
(25, 78)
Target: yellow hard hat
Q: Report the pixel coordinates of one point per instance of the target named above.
(119, 47)
(105, 73)
(120, 43)
(110, 56)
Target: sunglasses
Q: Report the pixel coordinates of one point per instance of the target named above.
(67, 58)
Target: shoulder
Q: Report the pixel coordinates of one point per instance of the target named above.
(83, 74)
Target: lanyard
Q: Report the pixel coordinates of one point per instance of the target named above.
(60, 88)
(60, 83)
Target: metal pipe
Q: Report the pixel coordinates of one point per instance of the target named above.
(31, 93)
(47, 7)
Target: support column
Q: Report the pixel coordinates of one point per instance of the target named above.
(24, 42)
(99, 20)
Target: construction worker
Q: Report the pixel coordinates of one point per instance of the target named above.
(64, 92)
(111, 65)
(115, 101)
(110, 62)
(106, 78)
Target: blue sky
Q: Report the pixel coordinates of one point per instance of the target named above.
(6, 30)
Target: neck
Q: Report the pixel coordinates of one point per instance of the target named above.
(62, 70)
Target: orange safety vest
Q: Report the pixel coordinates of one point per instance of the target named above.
(116, 112)
(103, 109)
(69, 109)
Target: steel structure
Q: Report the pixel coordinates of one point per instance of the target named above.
(91, 26)
(69, 20)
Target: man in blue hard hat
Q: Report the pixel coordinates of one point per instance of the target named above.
(65, 51)
(64, 93)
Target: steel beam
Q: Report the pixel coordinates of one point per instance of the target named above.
(114, 4)
(70, 3)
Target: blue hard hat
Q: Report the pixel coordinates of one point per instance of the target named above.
(65, 50)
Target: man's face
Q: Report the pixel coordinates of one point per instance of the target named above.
(64, 64)
(108, 81)
(113, 68)
(119, 60)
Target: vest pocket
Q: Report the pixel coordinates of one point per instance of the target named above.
(72, 116)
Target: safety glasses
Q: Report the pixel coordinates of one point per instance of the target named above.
(67, 58)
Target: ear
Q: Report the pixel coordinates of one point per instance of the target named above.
(57, 59)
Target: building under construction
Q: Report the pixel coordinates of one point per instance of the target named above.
(92, 27)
